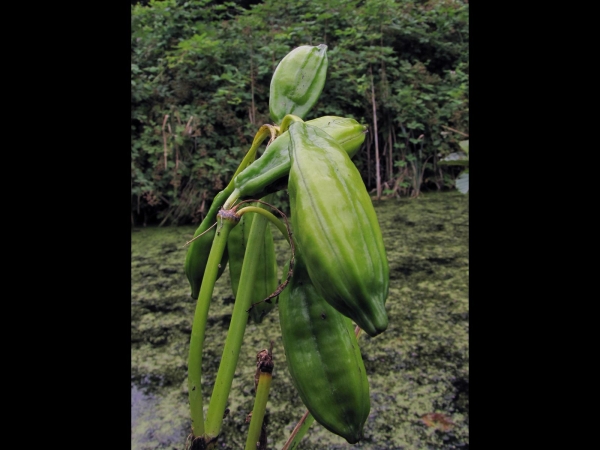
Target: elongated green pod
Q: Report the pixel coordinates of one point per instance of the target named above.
(269, 172)
(298, 81)
(336, 228)
(266, 280)
(323, 357)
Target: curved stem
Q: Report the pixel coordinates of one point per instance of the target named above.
(256, 209)
(199, 327)
(287, 121)
(233, 197)
(261, 135)
(222, 196)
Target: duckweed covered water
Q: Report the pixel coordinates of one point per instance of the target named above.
(418, 369)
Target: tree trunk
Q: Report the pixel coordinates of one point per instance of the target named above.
(253, 107)
(377, 171)
(368, 148)
(391, 148)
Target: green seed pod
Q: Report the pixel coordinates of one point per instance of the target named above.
(323, 358)
(266, 279)
(297, 82)
(274, 164)
(336, 228)
(198, 251)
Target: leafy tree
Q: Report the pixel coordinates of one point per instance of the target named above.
(201, 70)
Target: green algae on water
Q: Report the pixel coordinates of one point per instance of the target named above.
(416, 368)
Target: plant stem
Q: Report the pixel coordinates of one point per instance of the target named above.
(223, 195)
(237, 327)
(258, 413)
(299, 431)
(260, 210)
(199, 327)
(265, 369)
(261, 135)
(287, 121)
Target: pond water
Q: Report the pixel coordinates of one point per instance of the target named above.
(418, 369)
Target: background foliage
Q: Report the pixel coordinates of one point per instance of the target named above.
(200, 76)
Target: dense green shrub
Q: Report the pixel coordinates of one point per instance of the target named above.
(200, 74)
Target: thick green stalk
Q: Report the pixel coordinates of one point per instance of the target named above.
(237, 327)
(258, 413)
(199, 326)
(265, 370)
(206, 290)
